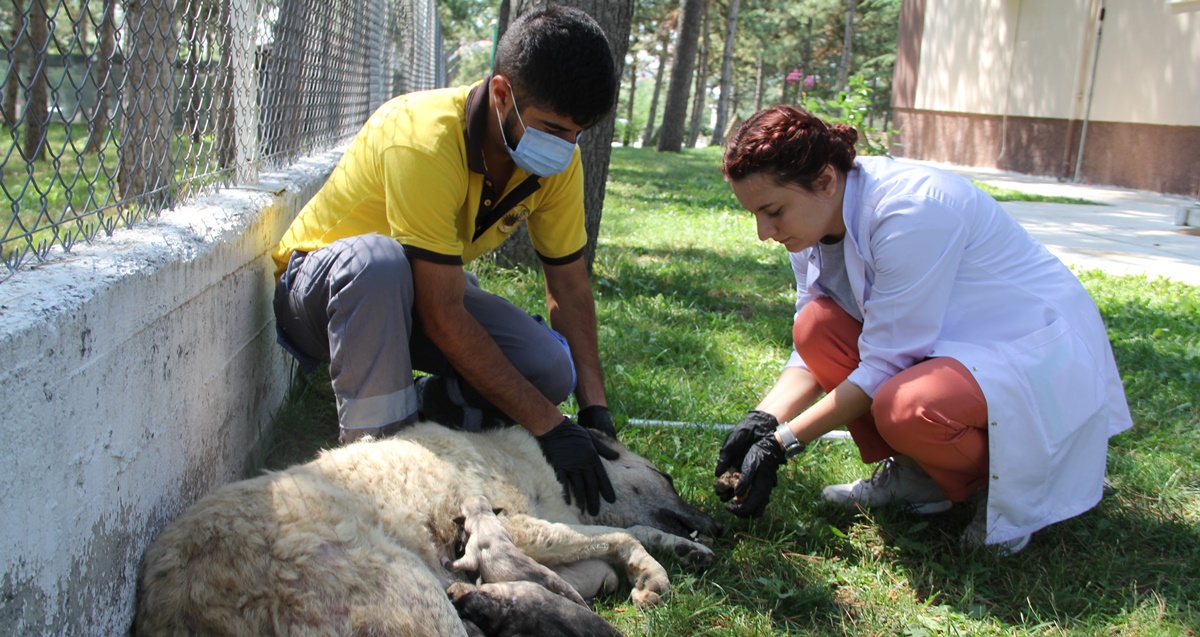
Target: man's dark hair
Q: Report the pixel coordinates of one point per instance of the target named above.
(558, 60)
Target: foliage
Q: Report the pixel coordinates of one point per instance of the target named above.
(1008, 194)
(853, 107)
(695, 323)
(468, 28)
(783, 36)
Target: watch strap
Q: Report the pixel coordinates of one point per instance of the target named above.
(791, 446)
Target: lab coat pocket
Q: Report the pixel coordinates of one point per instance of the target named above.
(1059, 379)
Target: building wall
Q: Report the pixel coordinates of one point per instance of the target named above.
(139, 373)
(1005, 84)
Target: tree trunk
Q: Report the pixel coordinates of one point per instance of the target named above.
(670, 139)
(759, 83)
(663, 47)
(847, 46)
(146, 119)
(37, 113)
(502, 23)
(701, 87)
(284, 95)
(627, 132)
(226, 133)
(98, 124)
(615, 17)
(726, 99)
(12, 84)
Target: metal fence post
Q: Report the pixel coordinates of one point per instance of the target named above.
(245, 94)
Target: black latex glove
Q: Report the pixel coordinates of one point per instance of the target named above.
(759, 467)
(597, 417)
(755, 425)
(574, 452)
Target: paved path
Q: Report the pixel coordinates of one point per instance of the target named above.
(1133, 232)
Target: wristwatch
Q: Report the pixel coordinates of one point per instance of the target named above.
(791, 446)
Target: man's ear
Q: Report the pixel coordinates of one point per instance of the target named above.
(501, 91)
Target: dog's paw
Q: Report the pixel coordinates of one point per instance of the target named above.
(694, 555)
(725, 485)
(645, 599)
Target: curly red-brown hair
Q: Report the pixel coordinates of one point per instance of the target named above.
(788, 144)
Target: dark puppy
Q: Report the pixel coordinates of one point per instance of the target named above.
(513, 609)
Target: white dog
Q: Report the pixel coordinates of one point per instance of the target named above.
(362, 541)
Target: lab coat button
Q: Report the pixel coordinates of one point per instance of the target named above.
(993, 423)
(995, 477)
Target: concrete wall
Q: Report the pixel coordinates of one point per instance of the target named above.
(1005, 84)
(136, 375)
(1032, 58)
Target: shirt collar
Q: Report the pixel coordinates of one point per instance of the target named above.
(477, 114)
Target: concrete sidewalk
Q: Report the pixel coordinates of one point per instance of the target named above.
(1131, 232)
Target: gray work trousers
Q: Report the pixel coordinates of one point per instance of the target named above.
(351, 304)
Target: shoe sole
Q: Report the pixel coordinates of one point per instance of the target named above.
(930, 508)
(926, 508)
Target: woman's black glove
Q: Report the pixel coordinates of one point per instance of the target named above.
(597, 417)
(755, 425)
(759, 467)
(574, 452)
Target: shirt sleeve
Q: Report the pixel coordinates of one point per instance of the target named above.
(556, 226)
(916, 246)
(804, 295)
(423, 194)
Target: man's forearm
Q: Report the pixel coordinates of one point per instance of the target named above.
(472, 351)
(572, 312)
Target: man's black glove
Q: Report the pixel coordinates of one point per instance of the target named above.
(574, 452)
(759, 467)
(597, 417)
(755, 425)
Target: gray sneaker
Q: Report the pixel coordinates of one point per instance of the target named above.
(975, 535)
(890, 483)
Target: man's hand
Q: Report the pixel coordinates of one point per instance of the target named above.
(759, 470)
(574, 452)
(754, 426)
(597, 417)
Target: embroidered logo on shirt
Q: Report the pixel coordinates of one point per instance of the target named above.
(512, 219)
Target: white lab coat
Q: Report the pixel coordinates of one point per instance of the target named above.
(939, 269)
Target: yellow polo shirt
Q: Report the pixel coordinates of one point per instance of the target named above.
(415, 172)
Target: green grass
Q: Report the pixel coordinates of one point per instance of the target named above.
(695, 323)
(1008, 194)
(71, 195)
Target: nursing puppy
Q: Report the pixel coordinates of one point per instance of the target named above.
(360, 540)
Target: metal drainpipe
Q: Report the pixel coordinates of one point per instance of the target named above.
(1012, 61)
(1087, 111)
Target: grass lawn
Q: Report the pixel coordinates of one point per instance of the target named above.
(695, 320)
(1008, 194)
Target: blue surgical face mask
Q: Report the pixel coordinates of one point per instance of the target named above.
(538, 152)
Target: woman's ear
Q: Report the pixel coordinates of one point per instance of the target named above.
(826, 183)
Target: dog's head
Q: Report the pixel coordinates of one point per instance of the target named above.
(647, 496)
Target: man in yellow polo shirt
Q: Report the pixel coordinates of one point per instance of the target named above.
(371, 274)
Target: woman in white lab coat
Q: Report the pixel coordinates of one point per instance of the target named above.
(961, 355)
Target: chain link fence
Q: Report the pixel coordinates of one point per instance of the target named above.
(117, 109)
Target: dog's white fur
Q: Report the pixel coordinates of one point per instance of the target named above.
(356, 541)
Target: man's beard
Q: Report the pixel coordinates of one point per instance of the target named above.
(510, 128)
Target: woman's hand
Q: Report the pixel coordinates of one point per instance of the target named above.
(759, 469)
(754, 426)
